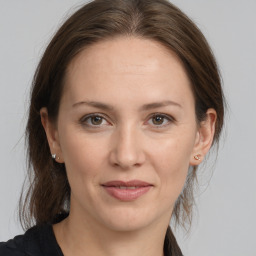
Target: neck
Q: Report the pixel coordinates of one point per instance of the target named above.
(82, 237)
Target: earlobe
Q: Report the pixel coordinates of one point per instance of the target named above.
(204, 138)
(52, 135)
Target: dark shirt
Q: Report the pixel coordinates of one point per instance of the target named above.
(37, 241)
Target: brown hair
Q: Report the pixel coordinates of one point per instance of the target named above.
(158, 20)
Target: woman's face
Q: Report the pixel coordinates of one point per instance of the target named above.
(126, 132)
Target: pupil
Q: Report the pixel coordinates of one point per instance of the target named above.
(158, 120)
(96, 120)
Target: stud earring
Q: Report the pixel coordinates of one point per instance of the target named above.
(55, 157)
(197, 157)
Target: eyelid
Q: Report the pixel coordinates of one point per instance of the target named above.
(170, 119)
(86, 117)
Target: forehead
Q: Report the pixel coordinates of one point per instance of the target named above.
(127, 64)
(125, 54)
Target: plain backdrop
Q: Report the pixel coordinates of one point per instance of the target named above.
(225, 221)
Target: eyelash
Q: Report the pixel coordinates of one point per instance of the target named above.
(84, 120)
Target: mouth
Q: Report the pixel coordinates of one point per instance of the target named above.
(127, 191)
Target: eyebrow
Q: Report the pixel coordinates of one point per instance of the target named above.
(145, 107)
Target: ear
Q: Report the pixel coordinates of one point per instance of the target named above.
(204, 137)
(52, 135)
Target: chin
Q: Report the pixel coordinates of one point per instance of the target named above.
(129, 220)
(126, 226)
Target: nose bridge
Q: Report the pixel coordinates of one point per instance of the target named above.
(127, 150)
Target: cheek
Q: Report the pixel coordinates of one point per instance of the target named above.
(172, 164)
(83, 159)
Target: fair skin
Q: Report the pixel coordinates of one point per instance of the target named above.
(129, 140)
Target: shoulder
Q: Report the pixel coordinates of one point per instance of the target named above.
(13, 247)
(31, 243)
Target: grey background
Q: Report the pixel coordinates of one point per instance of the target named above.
(225, 220)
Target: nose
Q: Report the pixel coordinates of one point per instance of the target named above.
(126, 149)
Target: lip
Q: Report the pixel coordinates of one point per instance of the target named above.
(127, 190)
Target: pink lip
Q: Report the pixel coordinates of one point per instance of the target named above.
(126, 194)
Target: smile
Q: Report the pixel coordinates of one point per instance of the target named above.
(121, 187)
(127, 191)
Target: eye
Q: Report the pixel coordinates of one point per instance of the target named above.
(94, 120)
(160, 120)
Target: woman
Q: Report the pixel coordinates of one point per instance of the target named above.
(126, 102)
